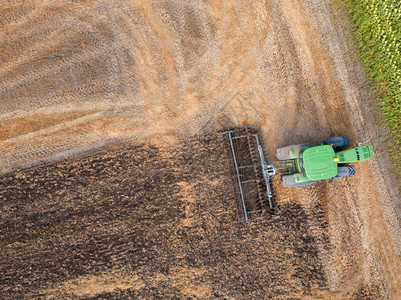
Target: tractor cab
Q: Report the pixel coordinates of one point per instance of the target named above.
(318, 163)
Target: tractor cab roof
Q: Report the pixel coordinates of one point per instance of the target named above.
(318, 162)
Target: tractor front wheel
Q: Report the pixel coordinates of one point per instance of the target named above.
(338, 143)
(344, 171)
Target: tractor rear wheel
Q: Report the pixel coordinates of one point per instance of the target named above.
(344, 171)
(290, 152)
(288, 181)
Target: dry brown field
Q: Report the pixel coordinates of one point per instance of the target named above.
(114, 179)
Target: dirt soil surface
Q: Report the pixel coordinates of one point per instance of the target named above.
(153, 214)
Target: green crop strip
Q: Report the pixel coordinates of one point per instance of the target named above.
(378, 39)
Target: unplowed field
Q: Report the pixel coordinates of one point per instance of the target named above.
(152, 213)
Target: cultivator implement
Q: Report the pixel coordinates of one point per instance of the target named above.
(251, 174)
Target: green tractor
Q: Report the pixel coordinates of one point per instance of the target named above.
(305, 164)
(299, 165)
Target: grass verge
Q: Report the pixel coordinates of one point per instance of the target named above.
(378, 40)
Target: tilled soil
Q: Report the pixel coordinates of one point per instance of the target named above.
(76, 76)
(143, 222)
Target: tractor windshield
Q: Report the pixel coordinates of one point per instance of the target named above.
(301, 163)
